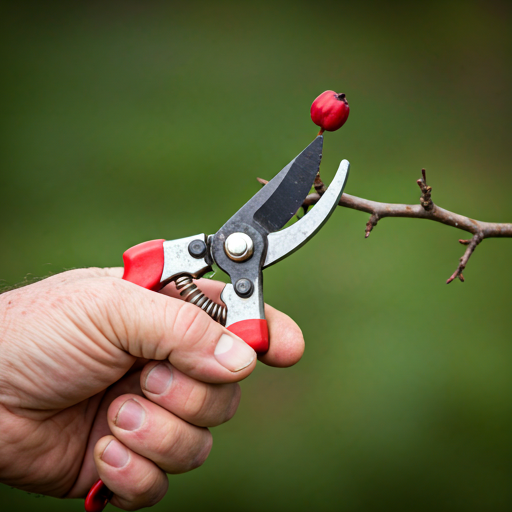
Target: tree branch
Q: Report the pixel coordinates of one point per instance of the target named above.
(425, 210)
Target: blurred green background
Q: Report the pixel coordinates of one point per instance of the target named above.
(126, 121)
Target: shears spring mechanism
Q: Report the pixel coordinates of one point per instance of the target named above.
(190, 292)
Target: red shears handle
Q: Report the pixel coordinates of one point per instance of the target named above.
(144, 264)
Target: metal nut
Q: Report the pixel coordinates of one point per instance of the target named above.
(239, 246)
(244, 288)
(197, 249)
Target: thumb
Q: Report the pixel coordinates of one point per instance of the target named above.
(149, 325)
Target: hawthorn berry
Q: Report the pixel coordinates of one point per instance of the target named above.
(330, 111)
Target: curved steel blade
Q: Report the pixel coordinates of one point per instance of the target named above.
(278, 201)
(282, 243)
(289, 195)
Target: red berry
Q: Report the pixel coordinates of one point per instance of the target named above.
(330, 111)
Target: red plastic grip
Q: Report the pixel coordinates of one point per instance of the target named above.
(253, 332)
(144, 264)
(98, 497)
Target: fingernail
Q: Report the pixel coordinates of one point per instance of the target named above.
(233, 353)
(115, 454)
(158, 379)
(131, 415)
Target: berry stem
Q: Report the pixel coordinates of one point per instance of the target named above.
(320, 132)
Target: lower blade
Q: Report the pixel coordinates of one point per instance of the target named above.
(287, 241)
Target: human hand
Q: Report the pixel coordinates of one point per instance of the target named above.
(102, 378)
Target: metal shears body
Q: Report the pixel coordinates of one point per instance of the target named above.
(249, 242)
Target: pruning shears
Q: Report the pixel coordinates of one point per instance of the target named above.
(250, 241)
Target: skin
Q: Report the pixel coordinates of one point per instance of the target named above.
(76, 351)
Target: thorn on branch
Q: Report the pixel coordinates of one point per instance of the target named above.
(262, 181)
(319, 184)
(372, 222)
(477, 238)
(426, 198)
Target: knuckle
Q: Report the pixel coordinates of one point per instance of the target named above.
(76, 274)
(98, 290)
(197, 404)
(191, 324)
(234, 402)
(100, 299)
(116, 308)
(184, 448)
(84, 273)
(149, 489)
(205, 449)
(170, 440)
(210, 405)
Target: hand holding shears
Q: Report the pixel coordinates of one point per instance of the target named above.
(249, 242)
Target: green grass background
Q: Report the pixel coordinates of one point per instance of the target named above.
(125, 121)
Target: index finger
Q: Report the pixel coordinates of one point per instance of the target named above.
(286, 340)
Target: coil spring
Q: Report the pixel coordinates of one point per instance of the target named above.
(191, 293)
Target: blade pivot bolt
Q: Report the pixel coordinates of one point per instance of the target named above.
(239, 246)
(197, 249)
(244, 288)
